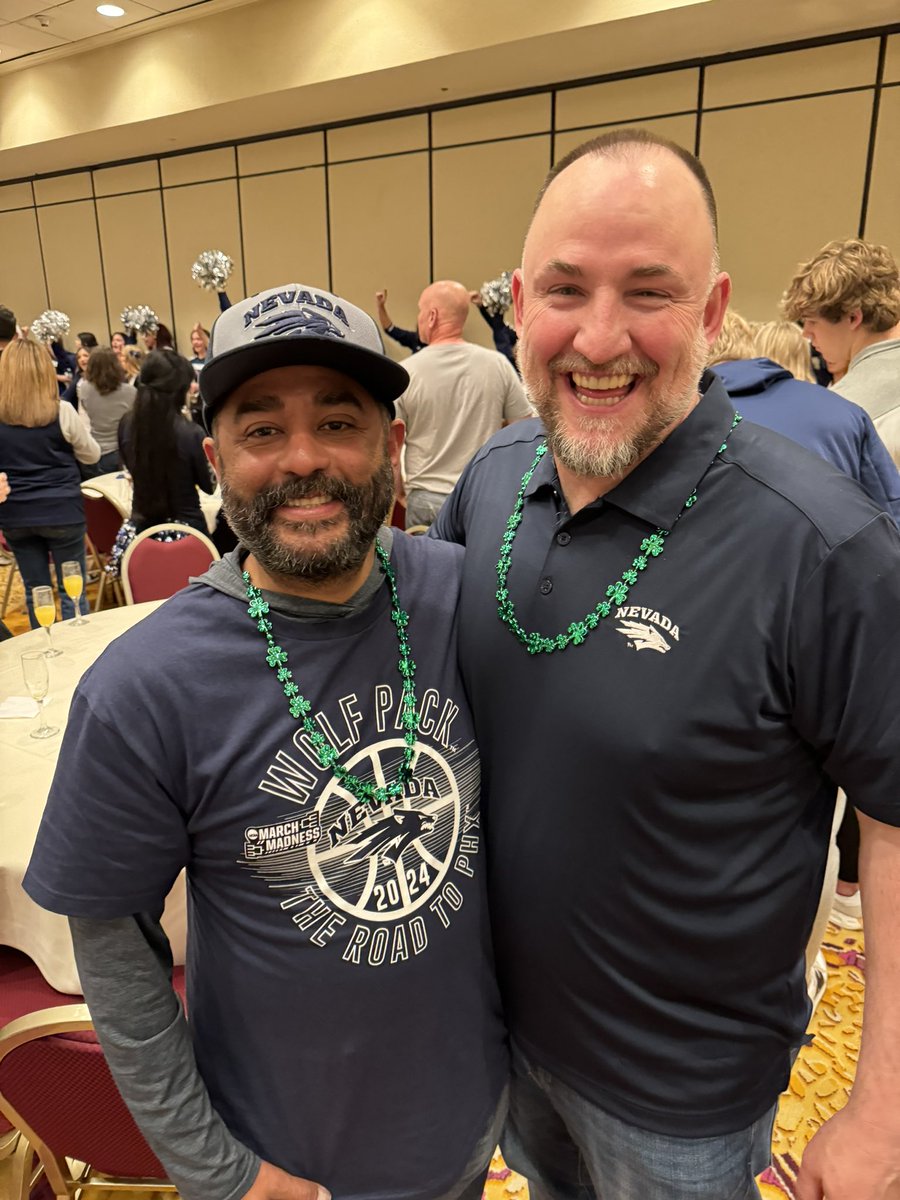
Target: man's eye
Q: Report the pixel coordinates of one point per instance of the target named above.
(336, 426)
(261, 431)
(564, 289)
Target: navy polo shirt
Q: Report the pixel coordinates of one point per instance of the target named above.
(659, 799)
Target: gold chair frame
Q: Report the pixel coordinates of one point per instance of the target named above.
(67, 1018)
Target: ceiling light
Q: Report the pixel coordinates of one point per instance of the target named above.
(110, 10)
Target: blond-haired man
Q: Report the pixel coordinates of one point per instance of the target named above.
(848, 299)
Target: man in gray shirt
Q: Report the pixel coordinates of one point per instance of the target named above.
(848, 299)
(459, 394)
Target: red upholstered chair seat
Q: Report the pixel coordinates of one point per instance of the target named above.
(60, 1084)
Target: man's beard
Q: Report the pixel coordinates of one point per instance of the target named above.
(598, 447)
(366, 505)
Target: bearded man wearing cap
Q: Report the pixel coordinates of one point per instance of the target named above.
(292, 730)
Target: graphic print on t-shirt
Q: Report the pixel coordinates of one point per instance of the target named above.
(384, 877)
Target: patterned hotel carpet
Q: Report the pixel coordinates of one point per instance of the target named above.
(819, 1084)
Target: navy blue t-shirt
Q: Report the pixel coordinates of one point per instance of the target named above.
(340, 983)
(659, 798)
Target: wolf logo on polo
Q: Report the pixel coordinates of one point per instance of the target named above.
(644, 628)
(378, 882)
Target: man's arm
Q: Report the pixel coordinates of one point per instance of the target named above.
(856, 1154)
(406, 337)
(124, 965)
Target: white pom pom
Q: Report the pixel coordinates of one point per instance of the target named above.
(50, 326)
(212, 270)
(496, 294)
(139, 318)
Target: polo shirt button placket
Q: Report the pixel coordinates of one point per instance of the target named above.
(546, 586)
(563, 538)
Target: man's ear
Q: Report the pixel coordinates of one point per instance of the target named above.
(209, 449)
(396, 438)
(518, 294)
(855, 318)
(716, 307)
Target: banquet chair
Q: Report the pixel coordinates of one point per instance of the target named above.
(152, 570)
(22, 990)
(56, 1087)
(103, 517)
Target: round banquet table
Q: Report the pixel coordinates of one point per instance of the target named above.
(117, 486)
(27, 771)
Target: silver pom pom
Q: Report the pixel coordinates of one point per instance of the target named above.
(50, 326)
(496, 294)
(139, 318)
(211, 270)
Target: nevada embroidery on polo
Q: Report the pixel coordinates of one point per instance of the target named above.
(641, 627)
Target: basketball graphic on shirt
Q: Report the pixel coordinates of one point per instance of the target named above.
(381, 863)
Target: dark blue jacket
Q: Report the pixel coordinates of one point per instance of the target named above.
(822, 421)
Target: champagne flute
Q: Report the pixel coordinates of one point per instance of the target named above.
(37, 680)
(73, 582)
(45, 610)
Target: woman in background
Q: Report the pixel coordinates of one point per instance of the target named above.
(158, 339)
(82, 354)
(783, 343)
(162, 450)
(104, 397)
(41, 443)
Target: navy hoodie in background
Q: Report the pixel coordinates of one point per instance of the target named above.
(822, 421)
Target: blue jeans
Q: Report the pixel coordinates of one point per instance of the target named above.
(32, 544)
(422, 507)
(568, 1149)
(474, 1178)
(106, 463)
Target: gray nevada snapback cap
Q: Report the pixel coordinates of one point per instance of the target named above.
(296, 325)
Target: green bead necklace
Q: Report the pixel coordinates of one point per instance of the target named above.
(277, 659)
(616, 593)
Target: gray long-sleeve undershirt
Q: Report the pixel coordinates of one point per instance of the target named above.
(125, 967)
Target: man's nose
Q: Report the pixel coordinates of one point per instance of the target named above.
(603, 333)
(303, 454)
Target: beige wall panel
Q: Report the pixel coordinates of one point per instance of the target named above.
(197, 168)
(849, 64)
(281, 154)
(134, 254)
(15, 195)
(678, 129)
(892, 60)
(482, 202)
(627, 101)
(883, 215)
(132, 177)
(284, 229)
(378, 137)
(498, 119)
(21, 275)
(773, 212)
(379, 234)
(61, 188)
(201, 217)
(72, 260)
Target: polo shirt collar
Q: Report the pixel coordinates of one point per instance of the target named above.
(655, 491)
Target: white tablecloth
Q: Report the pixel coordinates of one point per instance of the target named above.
(26, 772)
(118, 485)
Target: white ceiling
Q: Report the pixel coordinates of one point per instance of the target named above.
(28, 27)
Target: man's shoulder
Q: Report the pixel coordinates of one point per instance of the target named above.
(798, 481)
(168, 643)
